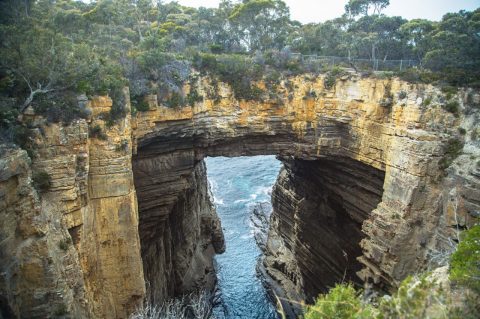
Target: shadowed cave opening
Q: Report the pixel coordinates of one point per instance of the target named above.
(319, 206)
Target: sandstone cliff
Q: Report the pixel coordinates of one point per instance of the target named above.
(362, 181)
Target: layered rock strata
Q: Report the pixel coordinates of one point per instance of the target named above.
(316, 229)
(179, 229)
(83, 247)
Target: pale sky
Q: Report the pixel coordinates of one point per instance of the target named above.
(307, 11)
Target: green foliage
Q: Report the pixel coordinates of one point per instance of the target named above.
(453, 149)
(97, 132)
(58, 107)
(139, 103)
(449, 91)
(415, 298)
(64, 243)
(362, 7)
(427, 101)
(118, 110)
(238, 71)
(452, 107)
(387, 100)
(342, 302)
(414, 75)
(332, 76)
(310, 94)
(194, 97)
(8, 115)
(123, 146)
(462, 131)
(175, 100)
(465, 261)
(41, 181)
(272, 23)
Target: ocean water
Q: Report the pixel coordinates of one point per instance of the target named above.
(238, 184)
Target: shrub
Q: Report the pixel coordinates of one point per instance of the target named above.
(123, 146)
(413, 75)
(175, 100)
(474, 134)
(97, 132)
(462, 131)
(140, 104)
(118, 110)
(8, 113)
(41, 181)
(452, 107)
(449, 91)
(415, 298)
(216, 48)
(58, 107)
(342, 302)
(465, 261)
(453, 149)
(402, 94)
(238, 71)
(193, 96)
(22, 136)
(64, 244)
(427, 101)
(332, 76)
(387, 100)
(310, 94)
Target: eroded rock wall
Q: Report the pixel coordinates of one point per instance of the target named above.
(316, 227)
(406, 139)
(84, 246)
(179, 229)
(79, 253)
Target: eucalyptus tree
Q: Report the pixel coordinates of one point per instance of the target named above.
(263, 24)
(365, 7)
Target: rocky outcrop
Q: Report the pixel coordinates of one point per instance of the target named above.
(381, 172)
(80, 254)
(90, 248)
(319, 208)
(179, 229)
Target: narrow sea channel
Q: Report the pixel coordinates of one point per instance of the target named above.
(238, 184)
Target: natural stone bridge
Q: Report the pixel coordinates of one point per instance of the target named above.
(360, 195)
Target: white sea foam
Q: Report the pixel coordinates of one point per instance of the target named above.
(218, 201)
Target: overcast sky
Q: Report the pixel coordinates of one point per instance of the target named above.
(320, 10)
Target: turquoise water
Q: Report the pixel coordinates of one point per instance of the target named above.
(237, 185)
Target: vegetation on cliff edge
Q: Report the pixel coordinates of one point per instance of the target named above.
(52, 51)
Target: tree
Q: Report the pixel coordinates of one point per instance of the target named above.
(416, 34)
(378, 36)
(264, 24)
(453, 47)
(42, 61)
(362, 7)
(329, 38)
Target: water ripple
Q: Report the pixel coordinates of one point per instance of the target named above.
(237, 184)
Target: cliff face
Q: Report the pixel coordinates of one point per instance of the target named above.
(316, 229)
(360, 180)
